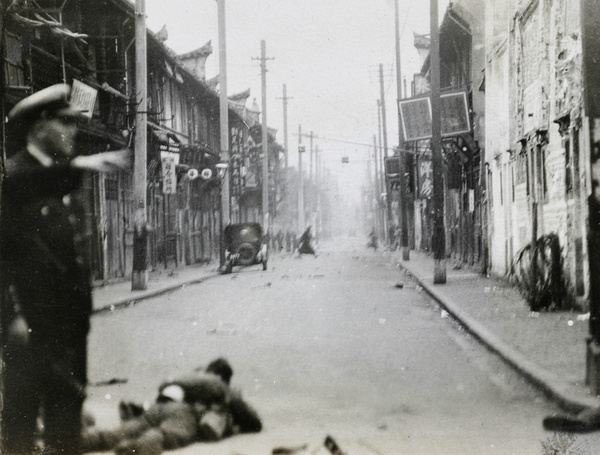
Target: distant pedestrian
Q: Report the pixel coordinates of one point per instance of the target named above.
(372, 240)
(279, 240)
(305, 246)
(46, 301)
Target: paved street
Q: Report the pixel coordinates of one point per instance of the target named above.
(325, 345)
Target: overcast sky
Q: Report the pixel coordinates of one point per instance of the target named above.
(327, 52)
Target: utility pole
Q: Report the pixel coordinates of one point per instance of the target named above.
(388, 190)
(224, 125)
(402, 155)
(285, 99)
(139, 274)
(383, 180)
(310, 174)
(301, 150)
(265, 137)
(439, 239)
(318, 189)
(377, 186)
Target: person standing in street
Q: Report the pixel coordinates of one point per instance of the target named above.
(304, 245)
(46, 301)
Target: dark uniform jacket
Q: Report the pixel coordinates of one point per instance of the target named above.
(44, 244)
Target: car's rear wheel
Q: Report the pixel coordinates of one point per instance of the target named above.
(246, 254)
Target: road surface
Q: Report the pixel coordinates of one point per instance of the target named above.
(324, 346)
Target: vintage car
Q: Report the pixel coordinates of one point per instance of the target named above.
(244, 246)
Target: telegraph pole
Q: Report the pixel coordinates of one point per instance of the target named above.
(385, 149)
(139, 274)
(285, 99)
(439, 239)
(402, 155)
(224, 125)
(301, 150)
(377, 185)
(265, 137)
(310, 174)
(382, 183)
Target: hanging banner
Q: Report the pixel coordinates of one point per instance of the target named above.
(169, 164)
(415, 114)
(425, 175)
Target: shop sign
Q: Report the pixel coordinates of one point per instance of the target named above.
(169, 164)
(425, 174)
(83, 98)
(415, 114)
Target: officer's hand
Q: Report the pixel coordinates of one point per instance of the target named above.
(113, 161)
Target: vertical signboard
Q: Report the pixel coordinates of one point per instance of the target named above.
(169, 171)
(425, 176)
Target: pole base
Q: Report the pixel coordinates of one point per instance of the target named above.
(439, 271)
(405, 253)
(139, 280)
(592, 374)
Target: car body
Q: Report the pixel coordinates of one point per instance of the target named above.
(244, 246)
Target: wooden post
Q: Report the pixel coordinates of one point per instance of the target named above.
(139, 275)
(439, 239)
(402, 156)
(224, 129)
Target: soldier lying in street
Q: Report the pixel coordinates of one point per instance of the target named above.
(586, 421)
(194, 408)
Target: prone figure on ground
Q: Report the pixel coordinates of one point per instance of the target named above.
(197, 407)
(586, 421)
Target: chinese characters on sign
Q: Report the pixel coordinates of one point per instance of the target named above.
(425, 178)
(83, 98)
(237, 149)
(416, 116)
(169, 165)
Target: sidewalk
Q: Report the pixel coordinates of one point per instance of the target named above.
(118, 294)
(547, 348)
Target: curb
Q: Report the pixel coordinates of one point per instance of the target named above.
(131, 301)
(552, 387)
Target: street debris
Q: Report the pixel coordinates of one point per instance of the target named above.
(289, 450)
(223, 329)
(444, 314)
(111, 381)
(399, 285)
(332, 446)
